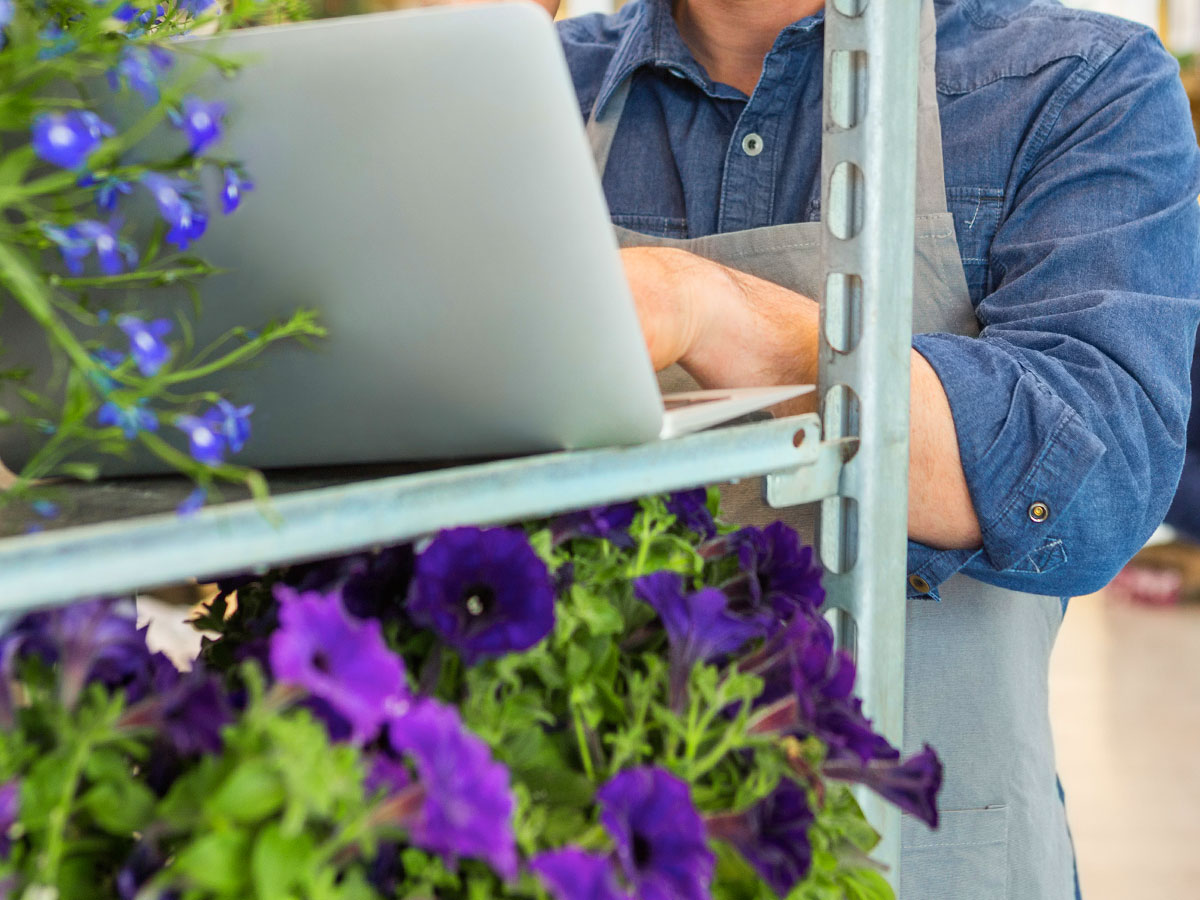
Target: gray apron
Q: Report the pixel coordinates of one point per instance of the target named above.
(977, 665)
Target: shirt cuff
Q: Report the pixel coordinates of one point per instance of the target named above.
(1025, 454)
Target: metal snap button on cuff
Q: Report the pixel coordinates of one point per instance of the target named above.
(919, 584)
(752, 144)
(1038, 511)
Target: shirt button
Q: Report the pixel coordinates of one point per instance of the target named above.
(1038, 511)
(919, 584)
(752, 144)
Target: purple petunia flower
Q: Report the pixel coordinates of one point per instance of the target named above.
(230, 422)
(573, 874)
(372, 585)
(188, 709)
(150, 352)
(130, 419)
(200, 121)
(231, 192)
(68, 138)
(338, 659)
(10, 800)
(690, 509)
(776, 571)
(912, 785)
(772, 836)
(660, 838)
(807, 689)
(96, 640)
(700, 626)
(180, 206)
(610, 523)
(485, 592)
(466, 804)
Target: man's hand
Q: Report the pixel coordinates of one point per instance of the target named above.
(729, 329)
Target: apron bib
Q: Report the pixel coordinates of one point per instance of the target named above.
(977, 662)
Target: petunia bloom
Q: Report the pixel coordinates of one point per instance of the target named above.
(912, 784)
(10, 799)
(700, 626)
(573, 874)
(68, 138)
(484, 591)
(690, 509)
(90, 641)
(772, 836)
(776, 571)
(337, 659)
(609, 523)
(146, 345)
(130, 419)
(660, 839)
(466, 803)
(372, 585)
(188, 710)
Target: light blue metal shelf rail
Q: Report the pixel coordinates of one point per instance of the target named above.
(123, 555)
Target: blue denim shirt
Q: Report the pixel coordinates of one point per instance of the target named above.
(1072, 172)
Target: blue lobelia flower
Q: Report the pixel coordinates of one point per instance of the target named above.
(772, 835)
(200, 121)
(485, 592)
(192, 503)
(179, 205)
(139, 68)
(47, 509)
(107, 190)
(338, 659)
(96, 640)
(574, 874)
(911, 784)
(205, 444)
(68, 138)
(235, 185)
(76, 242)
(7, 9)
(10, 805)
(610, 523)
(231, 422)
(130, 419)
(56, 42)
(150, 352)
(700, 627)
(659, 837)
(690, 509)
(195, 7)
(776, 571)
(466, 806)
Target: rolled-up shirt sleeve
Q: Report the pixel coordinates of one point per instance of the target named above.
(1071, 406)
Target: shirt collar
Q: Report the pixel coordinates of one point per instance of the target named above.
(652, 39)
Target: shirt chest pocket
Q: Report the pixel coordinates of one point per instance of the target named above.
(653, 226)
(976, 214)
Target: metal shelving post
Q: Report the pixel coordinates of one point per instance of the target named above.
(868, 164)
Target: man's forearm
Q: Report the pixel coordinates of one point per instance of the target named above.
(756, 332)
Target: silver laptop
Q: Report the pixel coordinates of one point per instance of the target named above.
(424, 180)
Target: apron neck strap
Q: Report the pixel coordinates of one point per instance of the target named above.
(931, 178)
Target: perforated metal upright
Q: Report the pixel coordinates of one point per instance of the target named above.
(868, 170)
